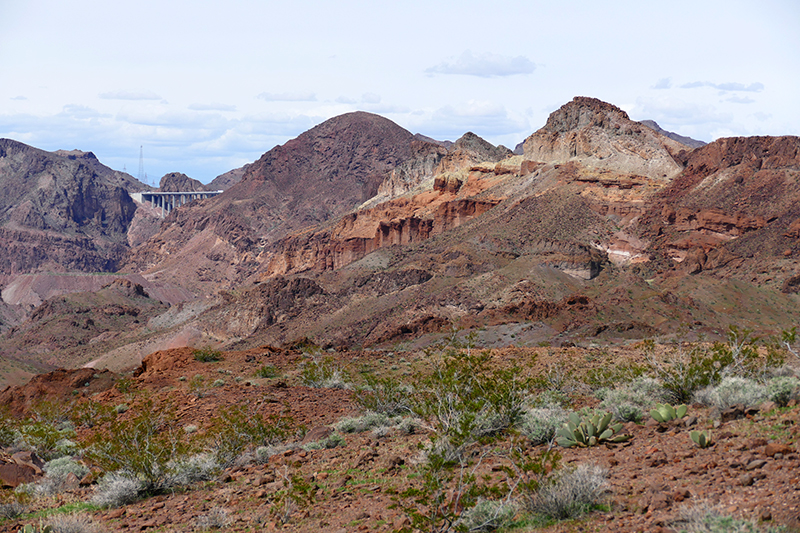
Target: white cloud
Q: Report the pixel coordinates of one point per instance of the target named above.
(740, 100)
(212, 107)
(484, 65)
(756, 87)
(299, 96)
(663, 83)
(129, 95)
(20, 97)
(346, 100)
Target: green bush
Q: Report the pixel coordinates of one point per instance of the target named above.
(466, 400)
(323, 373)
(267, 371)
(365, 422)
(207, 355)
(683, 372)
(630, 401)
(239, 428)
(143, 446)
(782, 390)
(384, 395)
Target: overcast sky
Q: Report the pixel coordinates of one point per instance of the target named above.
(207, 86)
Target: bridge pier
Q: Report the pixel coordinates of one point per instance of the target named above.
(167, 201)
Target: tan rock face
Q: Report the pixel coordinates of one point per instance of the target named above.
(602, 136)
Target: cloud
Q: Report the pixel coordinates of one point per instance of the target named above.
(80, 112)
(485, 119)
(371, 98)
(484, 65)
(674, 111)
(129, 95)
(346, 100)
(663, 83)
(212, 107)
(740, 100)
(756, 87)
(299, 96)
(20, 97)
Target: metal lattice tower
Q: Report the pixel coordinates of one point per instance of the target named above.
(142, 177)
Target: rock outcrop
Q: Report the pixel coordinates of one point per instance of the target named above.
(177, 182)
(600, 135)
(61, 210)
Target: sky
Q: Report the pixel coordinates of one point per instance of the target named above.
(202, 87)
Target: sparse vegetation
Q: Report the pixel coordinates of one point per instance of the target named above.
(207, 355)
(323, 372)
(267, 371)
(572, 493)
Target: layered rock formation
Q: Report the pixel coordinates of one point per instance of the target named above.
(600, 135)
(323, 173)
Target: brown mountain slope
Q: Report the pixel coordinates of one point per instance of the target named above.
(324, 172)
(61, 210)
(733, 211)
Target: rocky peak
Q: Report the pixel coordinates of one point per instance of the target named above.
(177, 182)
(601, 136)
(688, 141)
(480, 149)
(584, 112)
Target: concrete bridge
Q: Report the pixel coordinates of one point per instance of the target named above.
(168, 201)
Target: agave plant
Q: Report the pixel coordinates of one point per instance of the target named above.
(702, 438)
(664, 412)
(589, 431)
(28, 528)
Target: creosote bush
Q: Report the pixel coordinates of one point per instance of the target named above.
(732, 391)
(240, 428)
(143, 446)
(689, 369)
(324, 373)
(207, 355)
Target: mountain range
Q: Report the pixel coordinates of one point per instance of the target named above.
(358, 234)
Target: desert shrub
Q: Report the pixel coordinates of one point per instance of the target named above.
(323, 373)
(365, 422)
(216, 518)
(72, 523)
(488, 515)
(387, 396)
(465, 400)
(782, 390)
(704, 518)
(207, 355)
(539, 425)
(116, 489)
(267, 371)
(56, 473)
(630, 401)
(197, 386)
(237, 428)
(90, 414)
(11, 510)
(611, 376)
(143, 446)
(8, 428)
(46, 439)
(571, 494)
(732, 391)
(331, 441)
(192, 469)
(687, 370)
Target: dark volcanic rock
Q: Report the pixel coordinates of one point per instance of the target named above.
(61, 210)
(177, 182)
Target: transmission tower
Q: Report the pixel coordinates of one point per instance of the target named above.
(142, 177)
